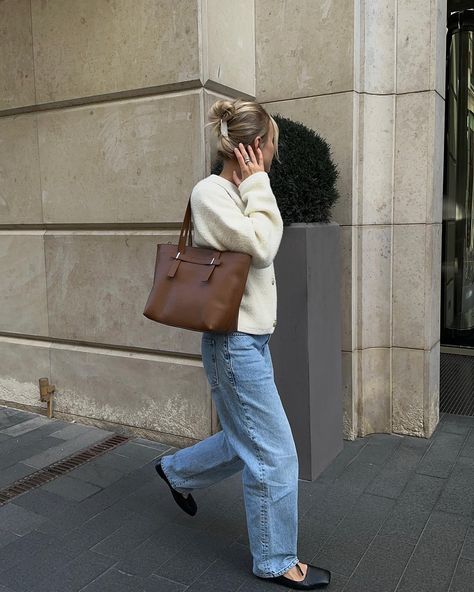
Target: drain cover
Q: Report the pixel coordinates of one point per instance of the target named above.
(59, 468)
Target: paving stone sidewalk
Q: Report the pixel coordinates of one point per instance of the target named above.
(391, 513)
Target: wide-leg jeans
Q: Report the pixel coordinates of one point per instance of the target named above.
(256, 438)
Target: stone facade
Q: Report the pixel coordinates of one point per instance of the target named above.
(103, 105)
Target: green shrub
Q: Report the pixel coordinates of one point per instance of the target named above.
(304, 182)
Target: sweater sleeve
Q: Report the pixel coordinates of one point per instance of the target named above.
(257, 231)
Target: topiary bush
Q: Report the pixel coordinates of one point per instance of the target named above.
(304, 182)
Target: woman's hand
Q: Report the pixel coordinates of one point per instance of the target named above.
(251, 167)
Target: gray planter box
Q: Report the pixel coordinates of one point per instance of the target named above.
(306, 343)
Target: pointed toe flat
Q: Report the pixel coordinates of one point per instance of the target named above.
(185, 503)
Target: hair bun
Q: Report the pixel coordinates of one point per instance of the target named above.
(226, 110)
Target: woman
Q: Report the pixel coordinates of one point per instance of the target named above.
(240, 213)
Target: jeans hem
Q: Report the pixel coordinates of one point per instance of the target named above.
(261, 574)
(170, 479)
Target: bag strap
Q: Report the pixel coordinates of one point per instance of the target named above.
(186, 229)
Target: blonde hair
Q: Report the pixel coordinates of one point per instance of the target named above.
(245, 121)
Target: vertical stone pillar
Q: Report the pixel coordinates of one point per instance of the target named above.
(369, 77)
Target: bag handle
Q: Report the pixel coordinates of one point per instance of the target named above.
(186, 229)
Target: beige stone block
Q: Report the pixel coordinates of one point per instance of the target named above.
(432, 380)
(433, 284)
(304, 48)
(94, 47)
(434, 206)
(375, 184)
(210, 151)
(416, 285)
(331, 116)
(121, 161)
(17, 85)
(375, 404)
(377, 46)
(439, 12)
(373, 271)
(229, 45)
(415, 398)
(23, 285)
(413, 45)
(419, 148)
(20, 190)
(350, 374)
(150, 391)
(421, 45)
(98, 285)
(347, 235)
(22, 363)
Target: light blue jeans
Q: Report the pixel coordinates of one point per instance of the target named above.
(256, 438)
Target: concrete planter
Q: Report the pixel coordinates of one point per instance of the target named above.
(306, 343)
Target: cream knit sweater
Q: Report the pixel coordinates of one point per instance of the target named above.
(244, 219)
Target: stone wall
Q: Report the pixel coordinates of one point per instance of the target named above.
(102, 112)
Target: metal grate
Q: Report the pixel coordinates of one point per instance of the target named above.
(59, 468)
(457, 384)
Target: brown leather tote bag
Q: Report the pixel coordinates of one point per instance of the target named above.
(197, 288)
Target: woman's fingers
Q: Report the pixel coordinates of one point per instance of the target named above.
(239, 157)
(252, 155)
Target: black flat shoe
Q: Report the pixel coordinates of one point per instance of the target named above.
(185, 503)
(316, 577)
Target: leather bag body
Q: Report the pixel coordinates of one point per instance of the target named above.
(197, 288)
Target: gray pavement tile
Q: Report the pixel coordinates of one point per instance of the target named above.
(441, 455)
(468, 547)
(66, 448)
(97, 473)
(44, 503)
(157, 549)
(152, 444)
(7, 537)
(11, 474)
(343, 550)
(195, 557)
(358, 475)
(156, 584)
(26, 426)
(350, 451)
(11, 419)
(118, 462)
(468, 447)
(331, 505)
(18, 449)
(18, 520)
(432, 564)
(382, 565)
(70, 488)
(134, 530)
(38, 566)
(463, 576)
(72, 430)
(413, 508)
(75, 574)
(139, 452)
(394, 475)
(115, 581)
(25, 546)
(94, 504)
(458, 493)
(226, 574)
(229, 520)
